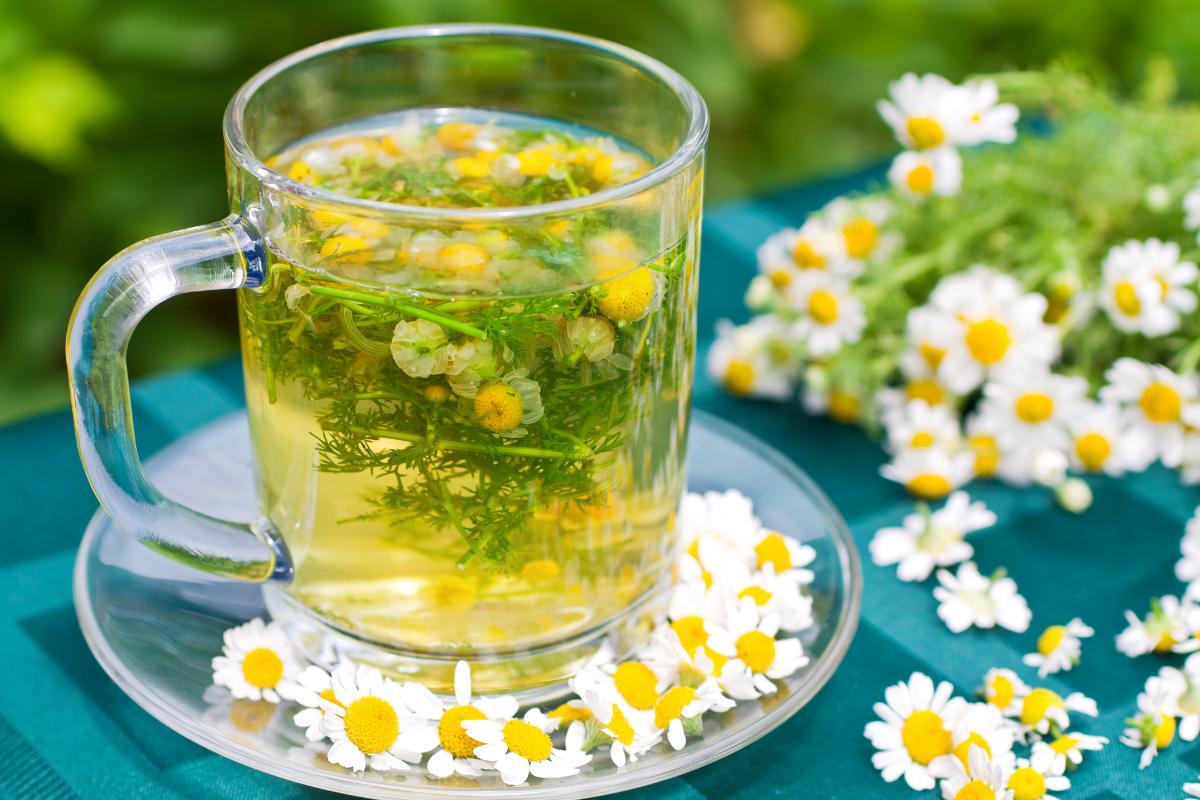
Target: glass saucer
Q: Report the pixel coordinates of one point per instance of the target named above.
(154, 625)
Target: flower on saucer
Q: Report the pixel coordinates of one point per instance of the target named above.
(369, 723)
(930, 472)
(727, 515)
(1154, 401)
(927, 540)
(1152, 729)
(968, 599)
(1041, 706)
(1170, 624)
(518, 748)
(680, 653)
(779, 595)
(627, 731)
(785, 554)
(1187, 568)
(983, 778)
(917, 425)
(935, 172)
(1005, 690)
(913, 729)
(1058, 648)
(1067, 749)
(256, 662)
(679, 709)
(1101, 442)
(456, 751)
(1033, 778)
(756, 657)
(827, 314)
(312, 686)
(980, 725)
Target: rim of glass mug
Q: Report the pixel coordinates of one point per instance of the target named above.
(690, 146)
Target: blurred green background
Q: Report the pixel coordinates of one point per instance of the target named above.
(110, 114)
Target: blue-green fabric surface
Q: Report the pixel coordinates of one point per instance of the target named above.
(67, 732)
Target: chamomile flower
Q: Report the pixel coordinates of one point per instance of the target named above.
(930, 472)
(1031, 408)
(1181, 690)
(1005, 690)
(841, 404)
(929, 331)
(312, 685)
(984, 446)
(420, 348)
(980, 725)
(1152, 729)
(860, 222)
(727, 515)
(518, 748)
(968, 599)
(1067, 749)
(785, 554)
(983, 778)
(256, 662)
(628, 732)
(505, 406)
(925, 112)
(1035, 777)
(984, 118)
(926, 540)
(1058, 647)
(753, 360)
(369, 724)
(777, 594)
(755, 656)
(1169, 624)
(1146, 288)
(1153, 400)
(1100, 442)
(913, 729)
(828, 315)
(815, 247)
(679, 709)
(455, 754)
(631, 295)
(1041, 706)
(1000, 328)
(679, 652)
(918, 425)
(1187, 568)
(920, 175)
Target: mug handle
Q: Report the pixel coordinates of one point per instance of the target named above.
(224, 255)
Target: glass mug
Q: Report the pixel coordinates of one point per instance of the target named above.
(468, 423)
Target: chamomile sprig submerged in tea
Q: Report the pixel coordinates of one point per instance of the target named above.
(471, 434)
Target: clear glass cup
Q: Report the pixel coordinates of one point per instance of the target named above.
(468, 424)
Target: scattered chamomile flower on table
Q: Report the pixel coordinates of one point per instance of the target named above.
(369, 723)
(1180, 691)
(1066, 750)
(917, 424)
(1041, 707)
(1035, 777)
(1005, 690)
(518, 748)
(1058, 647)
(1171, 625)
(931, 539)
(913, 729)
(1152, 729)
(980, 725)
(929, 473)
(256, 662)
(983, 778)
(969, 599)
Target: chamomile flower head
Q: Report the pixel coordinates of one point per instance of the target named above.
(256, 662)
(982, 439)
(1187, 568)
(518, 748)
(1041, 706)
(930, 472)
(841, 404)
(505, 406)
(925, 174)
(1102, 442)
(785, 554)
(420, 348)
(1146, 287)
(1169, 624)
(1035, 777)
(369, 724)
(312, 686)
(755, 657)
(1031, 408)
(814, 247)
(627, 731)
(860, 221)
(917, 425)
(753, 360)
(926, 540)
(968, 599)
(1005, 690)
(679, 709)
(1180, 689)
(1058, 647)
(1152, 729)
(1066, 750)
(632, 295)
(985, 119)
(455, 753)
(828, 315)
(924, 111)
(929, 331)
(983, 779)
(779, 595)
(679, 652)
(1154, 401)
(586, 338)
(725, 515)
(914, 728)
(980, 725)
(1000, 328)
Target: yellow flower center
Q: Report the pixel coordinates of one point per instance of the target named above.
(626, 298)
(1164, 732)
(1093, 449)
(987, 454)
(527, 741)
(262, 668)
(772, 549)
(470, 167)
(1036, 704)
(1001, 692)
(1027, 784)
(372, 725)
(670, 706)
(463, 256)
(921, 439)
(756, 650)
(739, 377)
(437, 393)
(453, 736)
(329, 696)
(568, 713)
(932, 354)
(843, 406)
(975, 790)
(862, 236)
(1125, 296)
(346, 248)
(300, 172)
(1160, 403)
(619, 727)
(760, 595)
(780, 278)
(534, 163)
(456, 135)
(637, 683)
(691, 633)
(929, 485)
(920, 179)
(499, 407)
(963, 749)
(806, 256)
(540, 570)
(1034, 407)
(1064, 744)
(823, 307)
(1165, 643)
(988, 341)
(925, 132)
(1050, 639)
(925, 737)
(926, 389)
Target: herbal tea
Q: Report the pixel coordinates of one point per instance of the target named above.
(471, 435)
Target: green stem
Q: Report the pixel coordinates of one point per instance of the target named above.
(356, 337)
(466, 447)
(407, 308)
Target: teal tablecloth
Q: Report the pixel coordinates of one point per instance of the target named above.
(67, 732)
